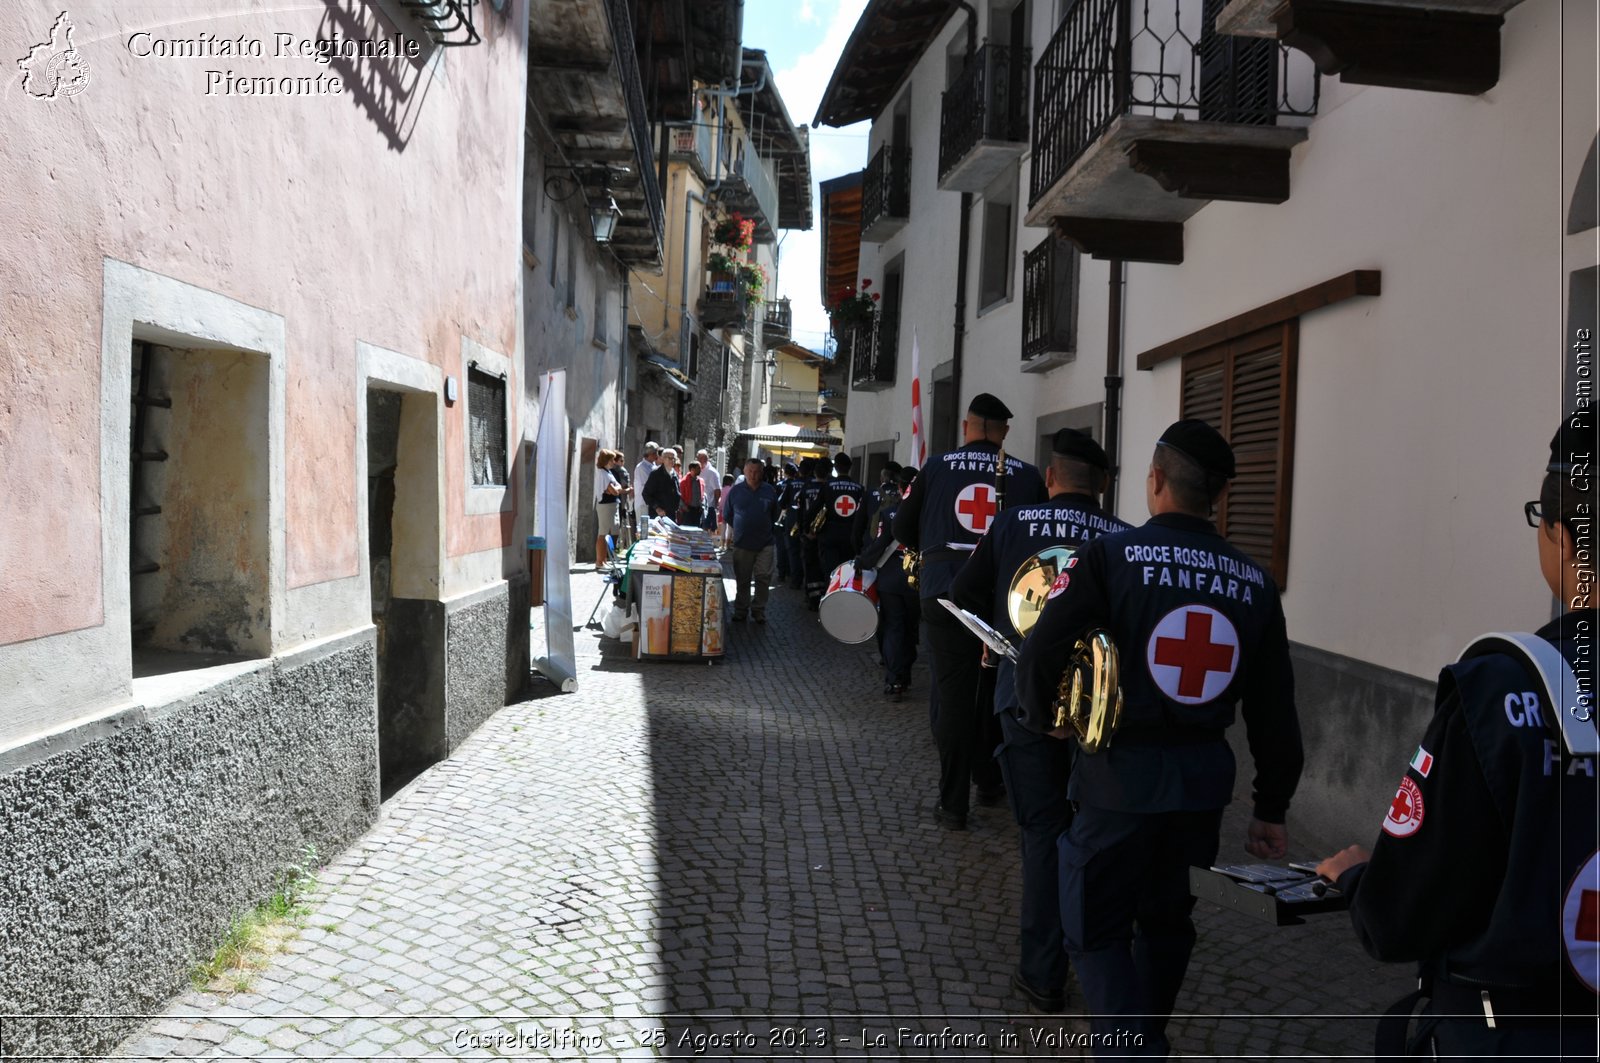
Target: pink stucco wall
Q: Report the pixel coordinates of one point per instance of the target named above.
(389, 213)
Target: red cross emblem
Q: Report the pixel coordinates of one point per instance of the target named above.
(844, 505)
(1580, 923)
(1405, 811)
(1193, 653)
(975, 507)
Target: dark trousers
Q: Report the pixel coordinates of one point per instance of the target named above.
(1036, 768)
(797, 560)
(833, 553)
(899, 629)
(1125, 908)
(816, 579)
(780, 553)
(961, 706)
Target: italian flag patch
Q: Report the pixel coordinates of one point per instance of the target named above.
(1422, 762)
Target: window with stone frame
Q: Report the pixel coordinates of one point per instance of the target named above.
(486, 427)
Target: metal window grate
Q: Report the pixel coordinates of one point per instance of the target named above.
(486, 423)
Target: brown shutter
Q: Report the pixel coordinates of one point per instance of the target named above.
(1246, 389)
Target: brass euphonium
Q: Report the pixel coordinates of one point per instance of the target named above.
(819, 520)
(1088, 698)
(911, 561)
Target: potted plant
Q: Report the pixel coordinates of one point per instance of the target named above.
(754, 280)
(850, 309)
(736, 232)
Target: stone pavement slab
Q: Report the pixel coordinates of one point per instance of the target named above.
(717, 861)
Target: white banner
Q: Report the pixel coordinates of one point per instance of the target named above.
(559, 663)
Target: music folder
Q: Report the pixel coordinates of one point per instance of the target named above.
(988, 635)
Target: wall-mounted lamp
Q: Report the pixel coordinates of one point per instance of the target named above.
(604, 219)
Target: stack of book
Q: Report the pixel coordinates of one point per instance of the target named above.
(671, 547)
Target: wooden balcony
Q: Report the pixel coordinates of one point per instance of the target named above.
(777, 321)
(724, 303)
(873, 350)
(1429, 45)
(1143, 114)
(983, 118)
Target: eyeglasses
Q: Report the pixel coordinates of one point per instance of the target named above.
(1535, 514)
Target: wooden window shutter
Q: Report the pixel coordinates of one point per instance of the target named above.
(1246, 388)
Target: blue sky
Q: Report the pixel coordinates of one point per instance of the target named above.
(803, 39)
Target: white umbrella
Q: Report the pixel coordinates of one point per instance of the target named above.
(784, 432)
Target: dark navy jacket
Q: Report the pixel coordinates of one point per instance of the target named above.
(953, 500)
(892, 573)
(1476, 873)
(1199, 629)
(1017, 534)
(844, 500)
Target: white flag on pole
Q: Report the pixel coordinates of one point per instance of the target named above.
(919, 438)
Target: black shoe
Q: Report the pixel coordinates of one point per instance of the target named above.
(894, 691)
(761, 619)
(1049, 1003)
(738, 618)
(991, 796)
(949, 820)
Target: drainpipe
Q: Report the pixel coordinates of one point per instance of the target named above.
(1114, 380)
(689, 196)
(963, 245)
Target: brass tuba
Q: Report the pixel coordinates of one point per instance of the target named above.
(1088, 698)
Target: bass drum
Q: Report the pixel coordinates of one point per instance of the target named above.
(849, 609)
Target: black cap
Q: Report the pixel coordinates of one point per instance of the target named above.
(1573, 444)
(988, 407)
(906, 476)
(842, 462)
(1202, 443)
(1071, 443)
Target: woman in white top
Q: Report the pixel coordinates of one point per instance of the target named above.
(606, 491)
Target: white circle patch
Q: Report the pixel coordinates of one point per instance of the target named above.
(1580, 923)
(844, 505)
(1405, 812)
(1193, 653)
(976, 507)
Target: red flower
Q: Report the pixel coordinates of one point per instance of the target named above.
(874, 296)
(866, 282)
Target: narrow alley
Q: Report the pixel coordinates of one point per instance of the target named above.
(721, 861)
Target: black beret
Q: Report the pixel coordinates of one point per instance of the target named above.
(906, 476)
(1204, 444)
(1071, 443)
(988, 407)
(842, 462)
(1573, 444)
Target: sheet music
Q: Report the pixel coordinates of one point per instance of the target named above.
(975, 624)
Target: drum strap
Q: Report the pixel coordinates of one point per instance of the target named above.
(887, 554)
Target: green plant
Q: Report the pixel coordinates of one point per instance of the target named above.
(717, 262)
(754, 279)
(735, 231)
(256, 934)
(851, 308)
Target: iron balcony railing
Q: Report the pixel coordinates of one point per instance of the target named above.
(886, 186)
(1049, 300)
(622, 45)
(746, 166)
(448, 22)
(989, 101)
(1160, 58)
(777, 321)
(873, 346)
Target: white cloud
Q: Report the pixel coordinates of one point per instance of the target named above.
(808, 13)
(833, 152)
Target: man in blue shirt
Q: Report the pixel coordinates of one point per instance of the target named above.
(748, 510)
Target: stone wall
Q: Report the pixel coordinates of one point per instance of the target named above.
(128, 854)
(476, 660)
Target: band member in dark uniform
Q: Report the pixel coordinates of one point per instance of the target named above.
(899, 615)
(841, 502)
(1036, 766)
(1198, 628)
(788, 493)
(1486, 872)
(810, 498)
(954, 501)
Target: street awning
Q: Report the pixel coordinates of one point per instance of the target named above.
(784, 432)
(669, 369)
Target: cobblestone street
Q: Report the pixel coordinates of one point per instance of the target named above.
(729, 860)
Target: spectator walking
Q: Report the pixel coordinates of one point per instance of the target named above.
(660, 492)
(641, 475)
(711, 481)
(691, 490)
(748, 510)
